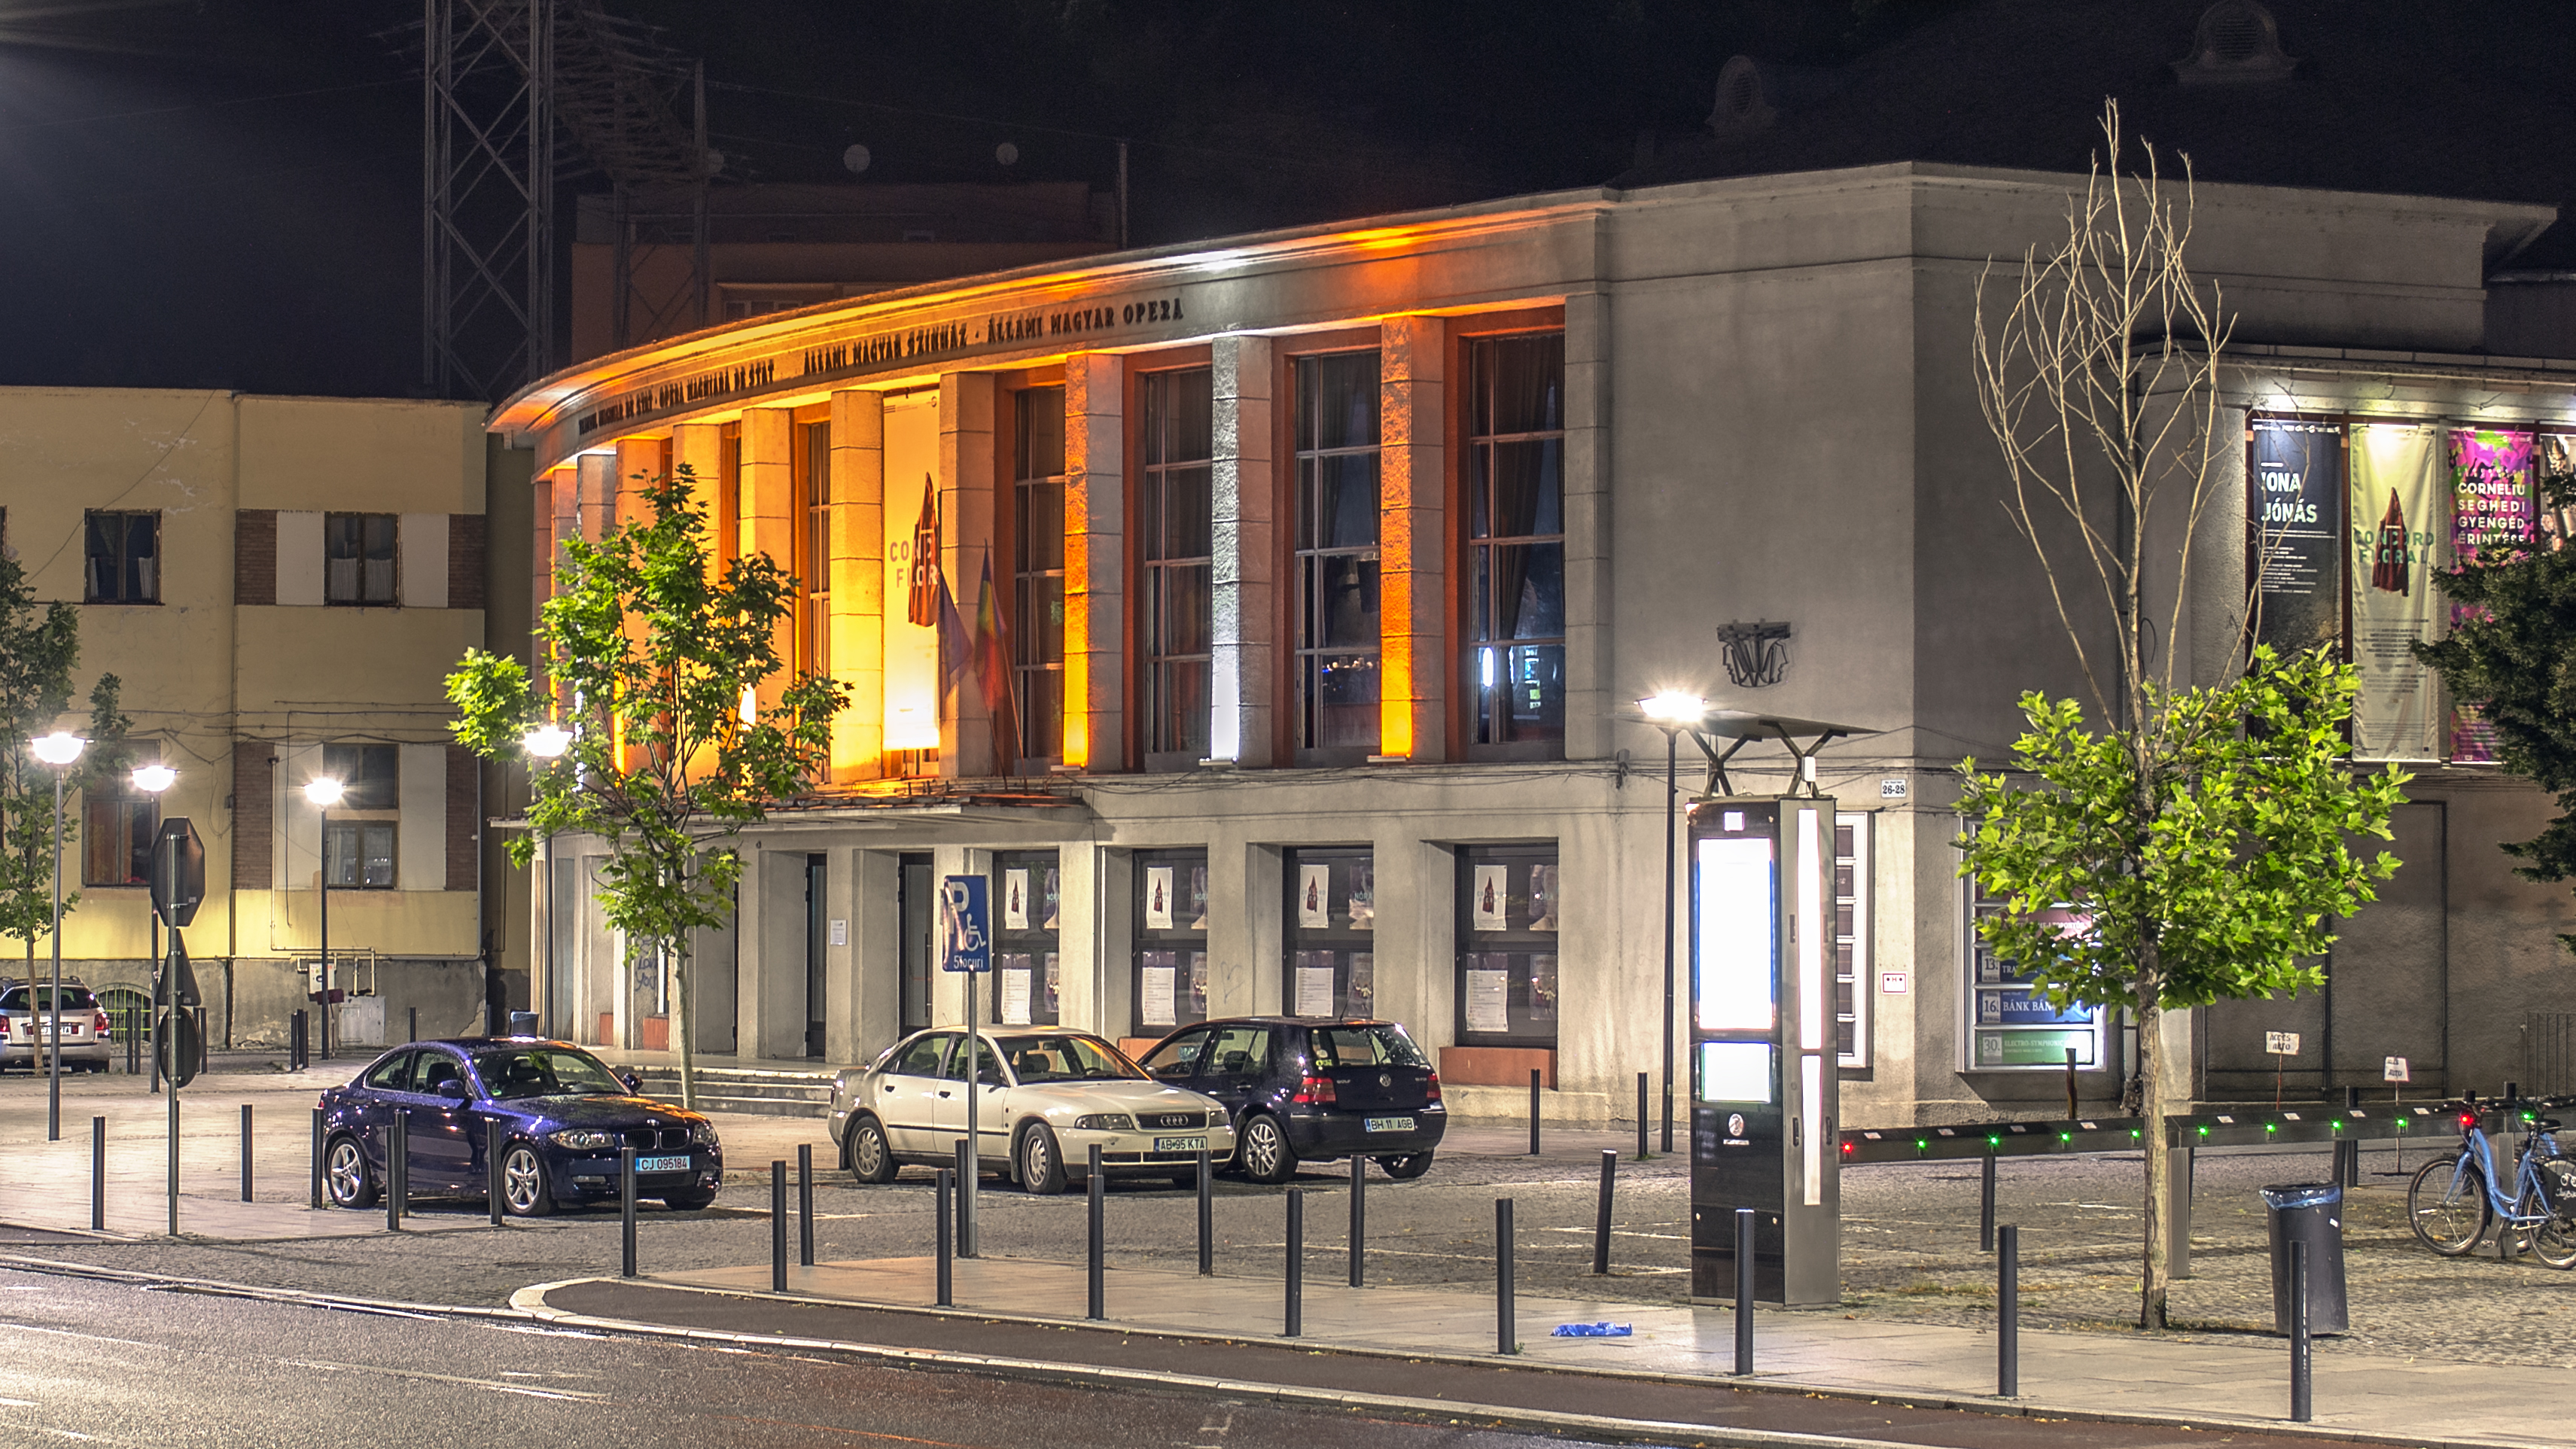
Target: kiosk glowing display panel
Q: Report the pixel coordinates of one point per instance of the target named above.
(1732, 989)
(1736, 1072)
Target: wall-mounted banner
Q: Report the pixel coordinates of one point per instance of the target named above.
(2492, 512)
(911, 552)
(2294, 517)
(2399, 537)
(2554, 462)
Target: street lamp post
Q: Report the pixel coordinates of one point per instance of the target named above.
(324, 792)
(1672, 712)
(58, 750)
(546, 742)
(152, 780)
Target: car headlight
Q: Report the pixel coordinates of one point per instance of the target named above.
(1105, 1122)
(702, 1134)
(584, 1141)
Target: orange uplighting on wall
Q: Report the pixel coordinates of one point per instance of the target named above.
(1396, 603)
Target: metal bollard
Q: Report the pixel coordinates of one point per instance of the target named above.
(1986, 1206)
(1601, 1213)
(98, 1174)
(626, 1210)
(246, 1197)
(1207, 1215)
(2301, 1405)
(2008, 1314)
(1296, 1261)
(946, 1246)
(778, 1225)
(1641, 1116)
(415, 1023)
(397, 1157)
(1743, 1291)
(1094, 1184)
(495, 1191)
(1533, 1111)
(965, 1226)
(1506, 1337)
(1359, 1222)
(805, 1204)
(316, 1203)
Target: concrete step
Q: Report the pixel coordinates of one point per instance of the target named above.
(734, 1089)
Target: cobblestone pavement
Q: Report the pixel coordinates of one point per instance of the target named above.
(1909, 1248)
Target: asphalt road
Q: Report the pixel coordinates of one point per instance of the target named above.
(114, 1365)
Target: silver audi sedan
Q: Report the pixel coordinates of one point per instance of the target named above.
(1043, 1098)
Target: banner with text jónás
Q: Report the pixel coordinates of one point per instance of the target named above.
(2294, 509)
(2493, 513)
(2400, 533)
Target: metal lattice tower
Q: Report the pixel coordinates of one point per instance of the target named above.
(517, 96)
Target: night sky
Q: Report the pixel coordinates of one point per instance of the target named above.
(227, 193)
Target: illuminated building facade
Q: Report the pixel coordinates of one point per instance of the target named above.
(1329, 564)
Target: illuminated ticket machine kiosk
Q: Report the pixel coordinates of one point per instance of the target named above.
(1764, 1107)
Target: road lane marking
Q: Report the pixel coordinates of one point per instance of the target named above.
(853, 1433)
(75, 1333)
(496, 1385)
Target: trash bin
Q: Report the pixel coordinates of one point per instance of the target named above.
(2310, 1213)
(523, 1023)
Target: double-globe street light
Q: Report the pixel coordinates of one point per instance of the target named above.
(1671, 711)
(324, 791)
(58, 750)
(546, 742)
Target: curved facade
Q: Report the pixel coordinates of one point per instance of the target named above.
(1325, 567)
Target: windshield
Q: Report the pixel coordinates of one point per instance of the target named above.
(75, 998)
(1065, 1059)
(545, 1072)
(1366, 1046)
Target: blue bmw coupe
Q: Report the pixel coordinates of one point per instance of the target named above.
(557, 1115)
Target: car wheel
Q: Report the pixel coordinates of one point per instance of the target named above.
(871, 1158)
(1041, 1162)
(1264, 1151)
(1408, 1167)
(523, 1183)
(690, 1201)
(344, 1169)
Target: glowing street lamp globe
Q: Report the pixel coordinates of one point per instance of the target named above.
(324, 791)
(546, 742)
(1673, 707)
(57, 748)
(153, 779)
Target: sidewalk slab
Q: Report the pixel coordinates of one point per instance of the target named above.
(2189, 1380)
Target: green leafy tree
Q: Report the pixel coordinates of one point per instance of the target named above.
(2514, 656)
(2166, 843)
(655, 659)
(39, 652)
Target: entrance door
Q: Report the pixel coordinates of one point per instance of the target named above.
(913, 904)
(817, 947)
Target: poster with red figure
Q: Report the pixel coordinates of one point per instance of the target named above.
(2400, 536)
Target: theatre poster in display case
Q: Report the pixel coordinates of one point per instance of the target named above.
(1330, 947)
(1171, 987)
(2011, 1027)
(1027, 884)
(1507, 945)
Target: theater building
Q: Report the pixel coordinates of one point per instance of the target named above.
(1330, 565)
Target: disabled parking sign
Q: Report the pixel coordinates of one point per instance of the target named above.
(965, 924)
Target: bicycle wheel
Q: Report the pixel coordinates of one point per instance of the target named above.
(2447, 1206)
(2553, 1239)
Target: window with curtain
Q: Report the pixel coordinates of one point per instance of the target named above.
(1514, 580)
(119, 821)
(1336, 551)
(814, 485)
(123, 564)
(1037, 571)
(358, 558)
(1175, 478)
(359, 834)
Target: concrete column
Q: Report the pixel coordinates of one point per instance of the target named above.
(595, 501)
(1245, 494)
(1095, 562)
(1591, 703)
(1413, 663)
(858, 582)
(1244, 941)
(1113, 937)
(1416, 932)
(965, 548)
(875, 955)
(699, 448)
(768, 506)
(641, 462)
(1078, 960)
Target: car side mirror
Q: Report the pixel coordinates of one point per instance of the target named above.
(455, 1090)
(634, 1081)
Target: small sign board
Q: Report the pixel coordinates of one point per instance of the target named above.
(840, 931)
(1891, 983)
(2394, 1070)
(965, 924)
(2281, 1043)
(1892, 788)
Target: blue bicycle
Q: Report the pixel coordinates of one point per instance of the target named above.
(2453, 1199)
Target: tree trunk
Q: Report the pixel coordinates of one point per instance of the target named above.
(2154, 1108)
(683, 1023)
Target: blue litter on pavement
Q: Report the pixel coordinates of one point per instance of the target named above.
(1592, 1330)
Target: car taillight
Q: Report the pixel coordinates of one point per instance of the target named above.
(1431, 1089)
(1316, 1092)
(100, 1025)
(4, 1026)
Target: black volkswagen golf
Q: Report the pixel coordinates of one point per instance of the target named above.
(1311, 1090)
(558, 1116)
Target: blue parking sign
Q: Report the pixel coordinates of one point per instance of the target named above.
(965, 924)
